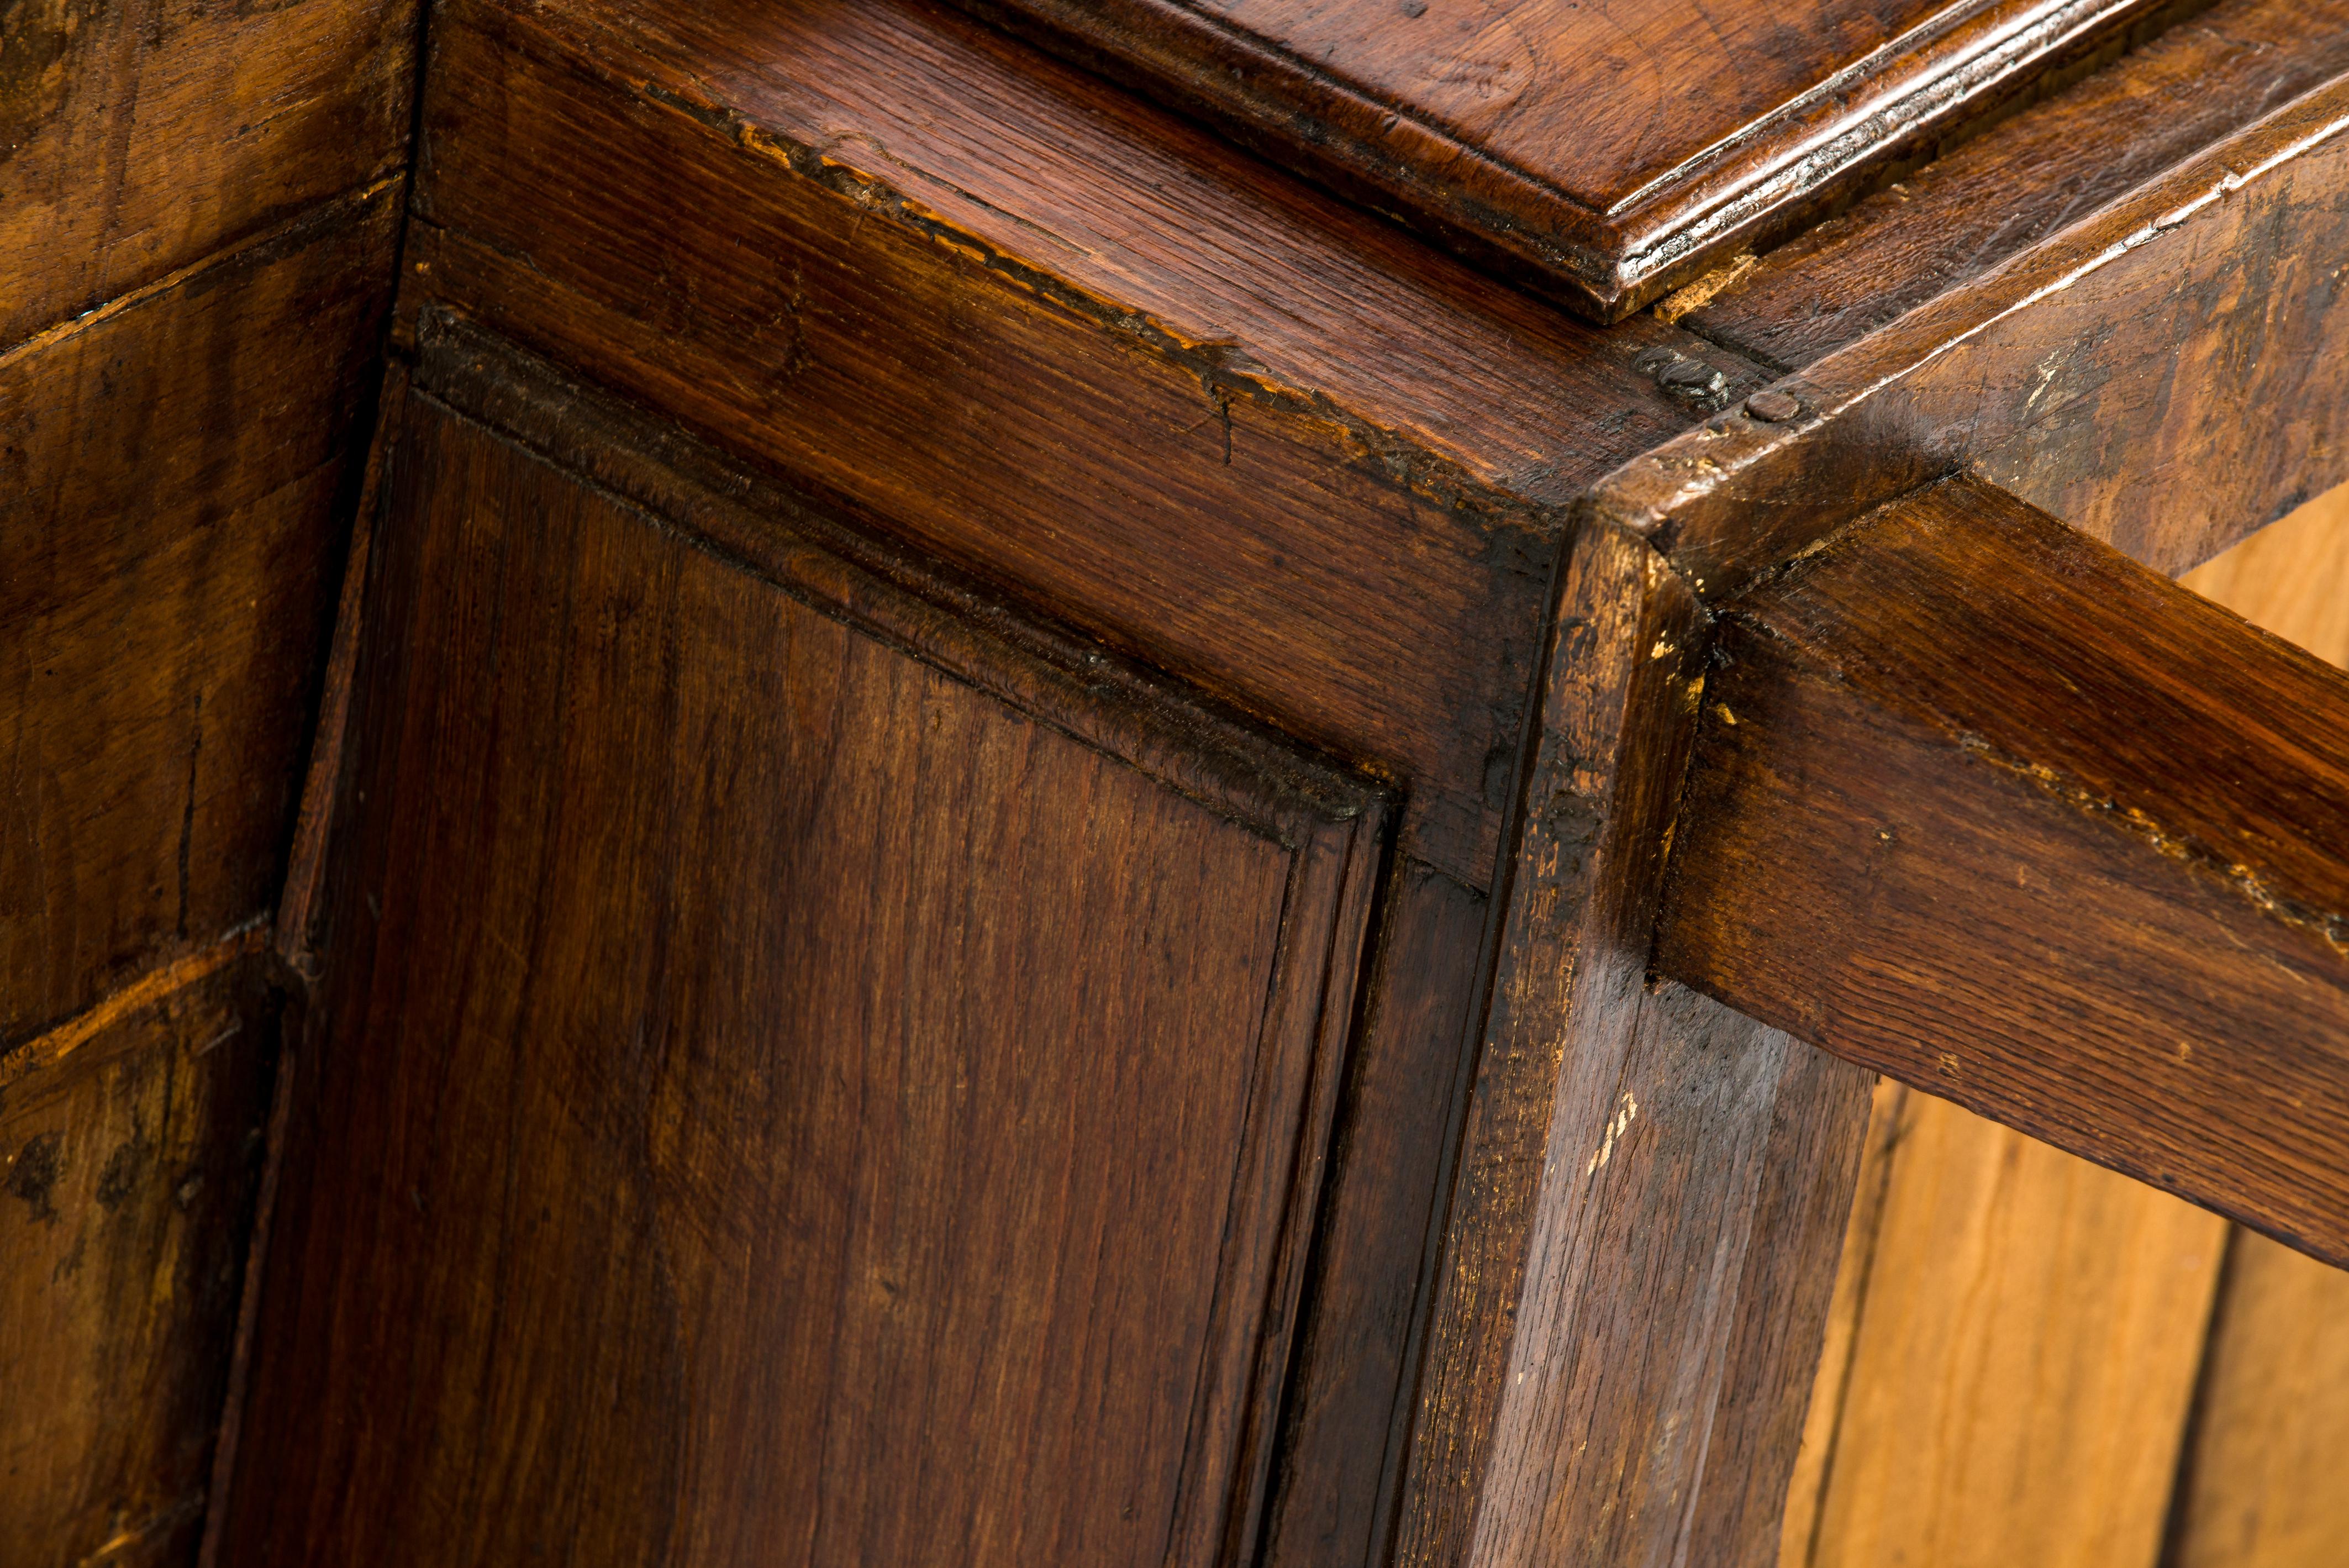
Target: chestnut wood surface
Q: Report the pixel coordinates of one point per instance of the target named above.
(2206, 78)
(199, 206)
(1021, 321)
(1603, 150)
(1650, 1189)
(2145, 345)
(1980, 804)
(2259, 1483)
(2028, 1331)
(140, 139)
(1263, 442)
(1346, 1425)
(882, 1097)
(173, 481)
(130, 1145)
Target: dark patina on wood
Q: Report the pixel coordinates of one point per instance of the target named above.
(1981, 803)
(858, 1061)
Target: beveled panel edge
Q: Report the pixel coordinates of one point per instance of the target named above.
(817, 548)
(1739, 494)
(1334, 826)
(1746, 189)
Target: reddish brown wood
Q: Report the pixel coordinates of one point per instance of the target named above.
(298, 901)
(1958, 217)
(2164, 372)
(1606, 152)
(128, 1147)
(1981, 803)
(141, 139)
(197, 206)
(856, 1067)
(1347, 1420)
(1625, 1323)
(173, 477)
(1062, 339)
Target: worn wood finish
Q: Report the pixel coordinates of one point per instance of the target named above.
(1798, 1521)
(856, 1066)
(2022, 1349)
(1981, 803)
(1605, 151)
(1347, 1420)
(173, 485)
(1952, 222)
(2164, 370)
(130, 1142)
(2260, 1483)
(142, 137)
(1640, 1170)
(1061, 338)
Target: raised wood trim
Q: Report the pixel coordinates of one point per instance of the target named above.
(1979, 803)
(1604, 239)
(2164, 370)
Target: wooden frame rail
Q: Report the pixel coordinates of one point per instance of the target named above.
(1981, 803)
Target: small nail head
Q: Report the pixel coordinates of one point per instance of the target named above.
(1773, 407)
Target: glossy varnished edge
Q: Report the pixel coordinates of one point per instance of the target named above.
(1606, 264)
(1335, 825)
(1738, 494)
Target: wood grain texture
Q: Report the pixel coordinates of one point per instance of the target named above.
(2260, 1483)
(855, 1068)
(2161, 371)
(2261, 1487)
(1980, 804)
(173, 478)
(127, 1159)
(1952, 222)
(1347, 1420)
(1064, 340)
(1636, 1261)
(1798, 1522)
(2022, 1349)
(140, 139)
(1604, 151)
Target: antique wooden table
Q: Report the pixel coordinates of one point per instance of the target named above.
(1128, 782)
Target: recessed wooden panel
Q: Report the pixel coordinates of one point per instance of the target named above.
(809, 1078)
(131, 1143)
(1605, 148)
(174, 480)
(1347, 1423)
(1063, 339)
